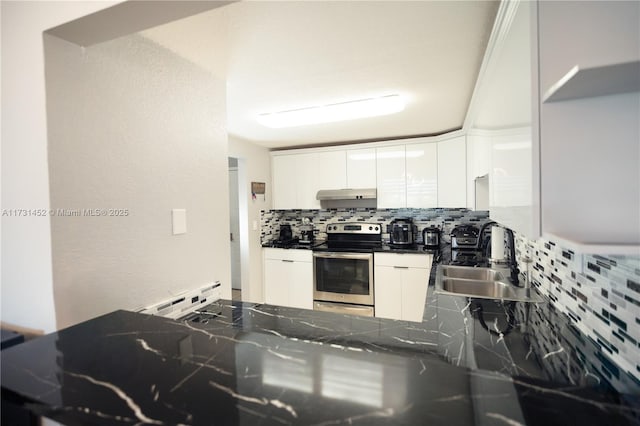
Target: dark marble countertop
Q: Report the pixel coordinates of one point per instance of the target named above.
(260, 364)
(470, 361)
(385, 248)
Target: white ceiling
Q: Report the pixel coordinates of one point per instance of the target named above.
(285, 55)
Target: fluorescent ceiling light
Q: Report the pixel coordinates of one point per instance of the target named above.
(343, 111)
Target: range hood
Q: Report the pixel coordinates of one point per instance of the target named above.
(335, 198)
(346, 194)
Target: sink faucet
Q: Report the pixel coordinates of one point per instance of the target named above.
(512, 262)
(482, 243)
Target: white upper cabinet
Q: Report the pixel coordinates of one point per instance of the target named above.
(422, 175)
(295, 181)
(589, 149)
(361, 168)
(284, 185)
(478, 167)
(452, 173)
(502, 113)
(564, 134)
(307, 181)
(391, 179)
(568, 38)
(417, 174)
(331, 170)
(510, 186)
(297, 178)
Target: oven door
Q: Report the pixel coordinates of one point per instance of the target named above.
(343, 277)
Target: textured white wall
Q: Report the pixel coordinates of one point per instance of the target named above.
(133, 126)
(27, 295)
(255, 166)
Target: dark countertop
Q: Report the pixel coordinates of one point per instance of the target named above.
(385, 248)
(10, 338)
(470, 361)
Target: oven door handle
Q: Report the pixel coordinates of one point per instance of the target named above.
(341, 255)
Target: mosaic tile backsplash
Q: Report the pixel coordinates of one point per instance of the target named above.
(445, 219)
(601, 295)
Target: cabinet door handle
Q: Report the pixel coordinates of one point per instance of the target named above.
(285, 260)
(401, 267)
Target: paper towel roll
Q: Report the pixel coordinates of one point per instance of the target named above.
(497, 243)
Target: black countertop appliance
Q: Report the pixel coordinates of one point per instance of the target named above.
(465, 237)
(402, 232)
(431, 238)
(286, 234)
(465, 243)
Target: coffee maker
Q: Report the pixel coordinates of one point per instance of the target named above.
(307, 232)
(286, 234)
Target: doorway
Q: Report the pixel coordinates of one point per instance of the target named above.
(234, 229)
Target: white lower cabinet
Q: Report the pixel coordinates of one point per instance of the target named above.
(388, 292)
(414, 292)
(400, 285)
(288, 277)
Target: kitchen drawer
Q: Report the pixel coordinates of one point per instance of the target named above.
(292, 255)
(403, 260)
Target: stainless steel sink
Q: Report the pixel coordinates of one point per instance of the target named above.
(483, 274)
(483, 283)
(478, 288)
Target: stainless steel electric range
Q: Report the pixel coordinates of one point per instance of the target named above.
(343, 268)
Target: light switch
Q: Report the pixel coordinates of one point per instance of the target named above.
(255, 225)
(179, 221)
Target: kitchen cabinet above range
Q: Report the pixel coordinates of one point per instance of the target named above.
(361, 168)
(424, 172)
(298, 177)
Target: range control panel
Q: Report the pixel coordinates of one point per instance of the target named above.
(354, 228)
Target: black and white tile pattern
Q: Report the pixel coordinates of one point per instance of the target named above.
(600, 294)
(446, 219)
